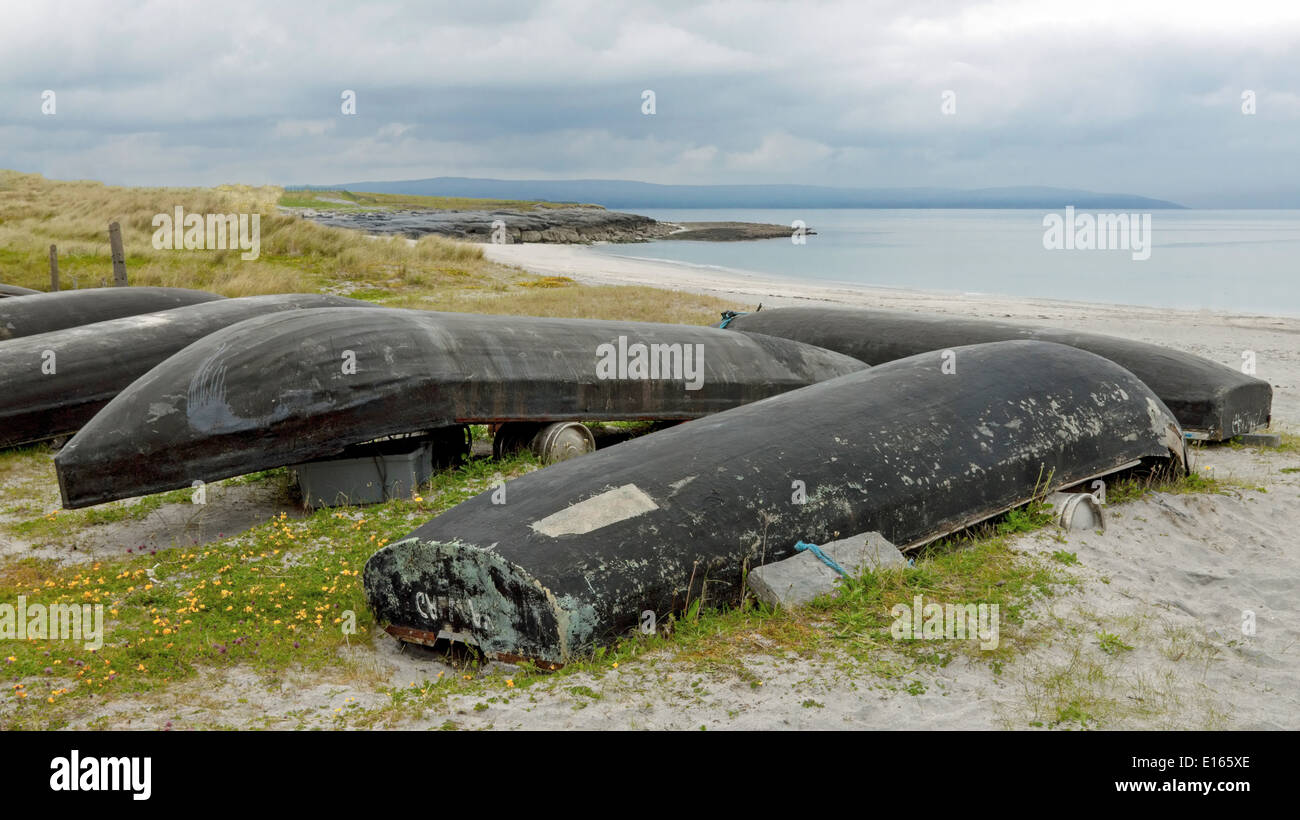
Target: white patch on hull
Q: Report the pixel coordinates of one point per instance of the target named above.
(610, 507)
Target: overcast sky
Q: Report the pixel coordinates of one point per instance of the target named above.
(1139, 97)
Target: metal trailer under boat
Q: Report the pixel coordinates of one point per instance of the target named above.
(302, 385)
(44, 312)
(1211, 401)
(580, 550)
(53, 383)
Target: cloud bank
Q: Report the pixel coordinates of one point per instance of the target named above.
(1145, 97)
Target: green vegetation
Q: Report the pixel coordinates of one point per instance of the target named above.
(977, 566)
(1135, 486)
(1111, 644)
(285, 594)
(297, 256)
(1290, 443)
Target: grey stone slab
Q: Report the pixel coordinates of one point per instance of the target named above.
(1262, 439)
(802, 577)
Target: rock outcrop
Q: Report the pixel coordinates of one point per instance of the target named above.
(560, 225)
(573, 226)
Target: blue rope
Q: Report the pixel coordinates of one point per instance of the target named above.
(825, 559)
(727, 316)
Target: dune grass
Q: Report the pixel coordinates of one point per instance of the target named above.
(296, 256)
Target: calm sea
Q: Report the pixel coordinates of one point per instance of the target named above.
(1218, 260)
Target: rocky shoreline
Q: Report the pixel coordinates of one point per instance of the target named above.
(733, 231)
(572, 226)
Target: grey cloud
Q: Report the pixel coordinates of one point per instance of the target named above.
(1143, 98)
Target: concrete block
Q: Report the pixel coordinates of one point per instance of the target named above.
(802, 577)
(1261, 439)
(369, 474)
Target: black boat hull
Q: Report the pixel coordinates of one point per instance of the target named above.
(9, 291)
(53, 383)
(572, 556)
(1211, 401)
(293, 387)
(45, 312)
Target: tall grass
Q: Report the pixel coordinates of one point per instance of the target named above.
(434, 273)
(296, 255)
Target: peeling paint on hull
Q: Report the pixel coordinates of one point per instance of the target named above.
(45, 312)
(95, 362)
(278, 390)
(902, 449)
(1210, 400)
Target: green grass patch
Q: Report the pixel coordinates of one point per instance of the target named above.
(1136, 486)
(548, 282)
(371, 294)
(275, 597)
(261, 476)
(975, 567)
(60, 522)
(1111, 644)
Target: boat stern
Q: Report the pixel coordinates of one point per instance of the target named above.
(431, 591)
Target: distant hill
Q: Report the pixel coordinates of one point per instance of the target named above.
(622, 194)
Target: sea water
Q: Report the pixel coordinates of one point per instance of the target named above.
(1244, 261)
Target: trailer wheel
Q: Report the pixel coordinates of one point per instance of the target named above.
(562, 441)
(513, 437)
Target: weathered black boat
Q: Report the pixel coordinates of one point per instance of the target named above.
(7, 291)
(1211, 401)
(557, 561)
(53, 383)
(45, 312)
(289, 388)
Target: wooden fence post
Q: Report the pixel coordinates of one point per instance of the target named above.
(54, 269)
(119, 258)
